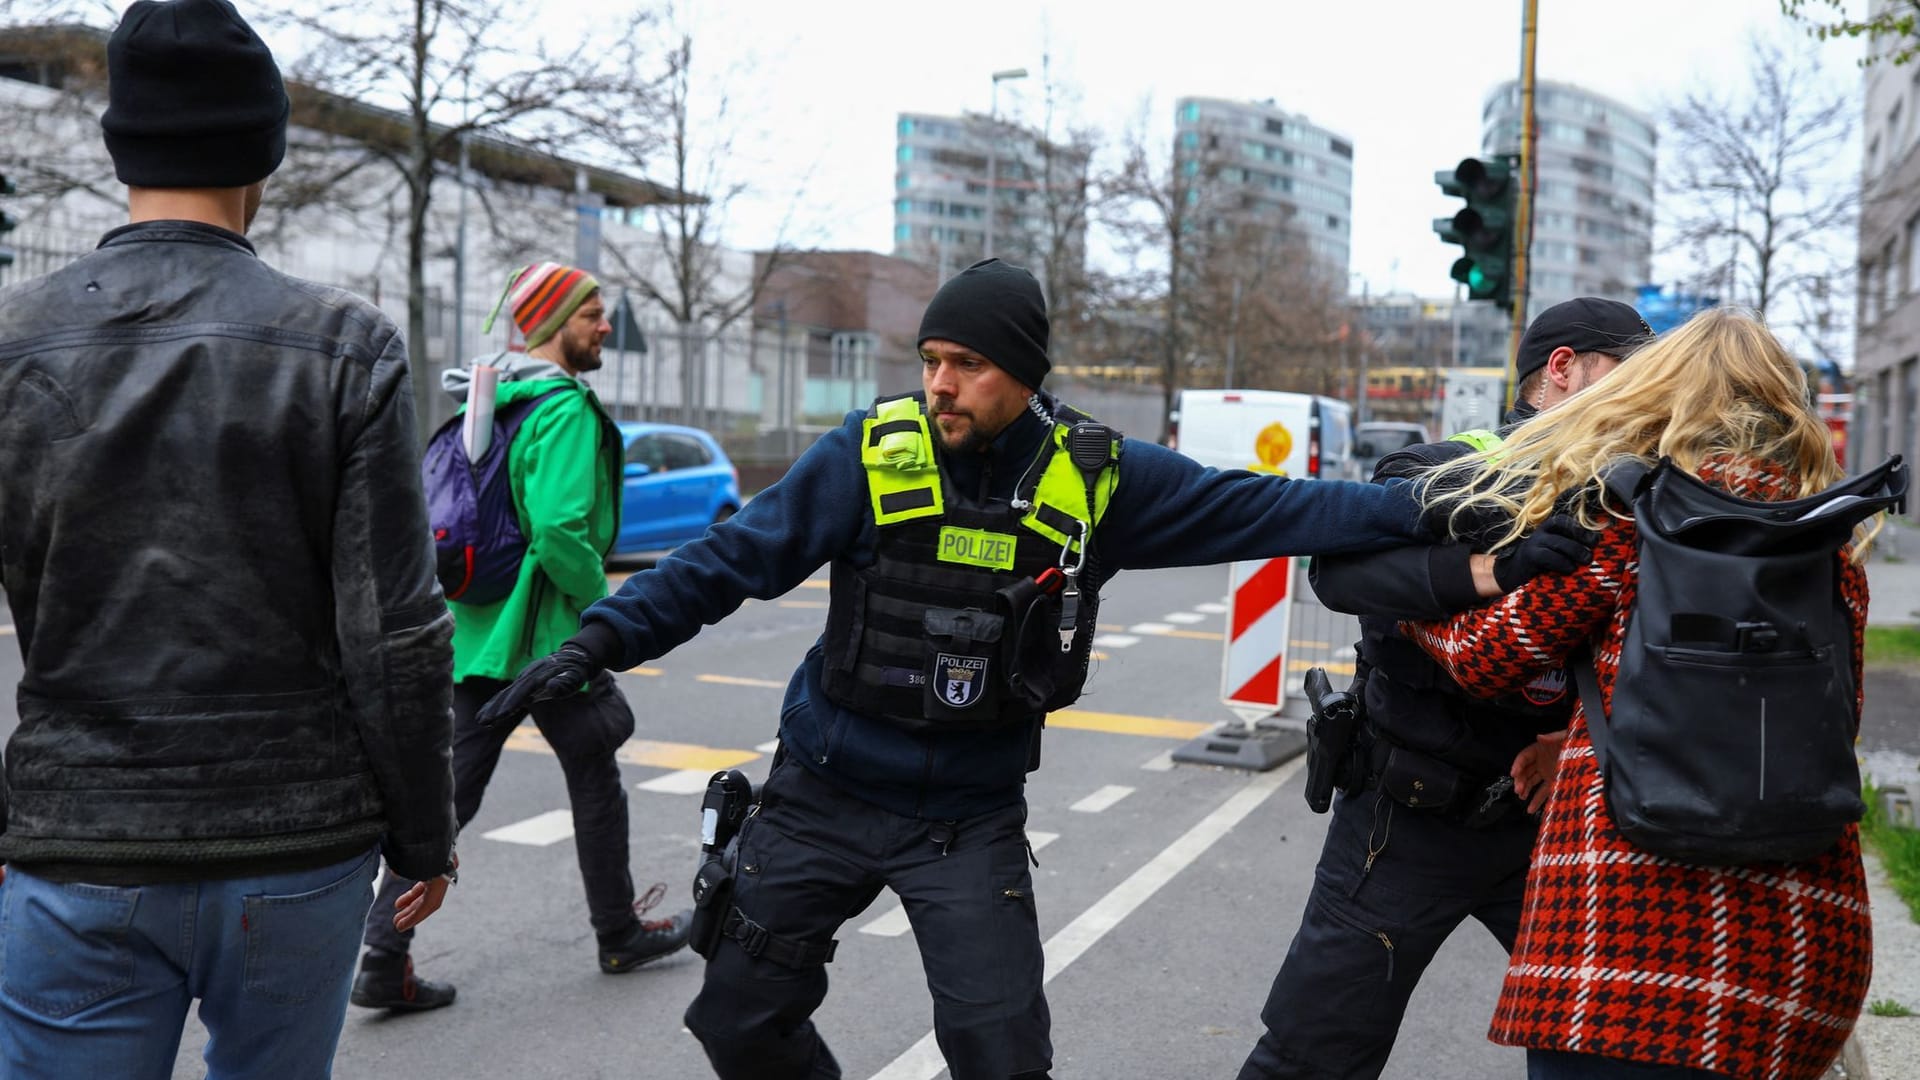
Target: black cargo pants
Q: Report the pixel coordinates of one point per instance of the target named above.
(1372, 925)
(813, 857)
(583, 730)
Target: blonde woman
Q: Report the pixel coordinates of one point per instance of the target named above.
(1628, 964)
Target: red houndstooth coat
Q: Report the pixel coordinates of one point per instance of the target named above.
(1754, 971)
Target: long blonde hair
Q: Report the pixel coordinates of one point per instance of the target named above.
(1719, 385)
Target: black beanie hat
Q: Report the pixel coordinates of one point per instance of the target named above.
(996, 310)
(194, 98)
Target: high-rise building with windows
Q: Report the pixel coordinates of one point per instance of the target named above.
(1886, 348)
(1593, 191)
(1255, 164)
(949, 171)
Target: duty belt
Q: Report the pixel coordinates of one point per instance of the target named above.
(760, 942)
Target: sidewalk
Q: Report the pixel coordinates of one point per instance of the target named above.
(1891, 1045)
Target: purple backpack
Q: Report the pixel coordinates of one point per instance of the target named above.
(477, 542)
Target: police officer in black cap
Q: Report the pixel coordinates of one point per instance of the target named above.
(969, 528)
(1429, 830)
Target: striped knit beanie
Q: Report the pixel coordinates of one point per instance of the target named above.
(541, 298)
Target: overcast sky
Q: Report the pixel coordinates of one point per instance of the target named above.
(816, 87)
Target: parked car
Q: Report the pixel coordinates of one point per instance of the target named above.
(1376, 439)
(677, 481)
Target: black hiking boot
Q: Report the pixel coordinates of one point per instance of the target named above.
(386, 981)
(622, 951)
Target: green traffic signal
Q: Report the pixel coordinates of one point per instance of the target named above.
(1483, 228)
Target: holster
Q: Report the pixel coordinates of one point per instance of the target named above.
(729, 801)
(712, 898)
(1335, 741)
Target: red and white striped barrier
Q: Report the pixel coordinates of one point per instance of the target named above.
(1258, 617)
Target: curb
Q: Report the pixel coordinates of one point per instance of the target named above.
(1892, 1041)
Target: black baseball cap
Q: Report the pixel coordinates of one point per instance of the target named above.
(1583, 324)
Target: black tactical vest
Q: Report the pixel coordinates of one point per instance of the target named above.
(953, 626)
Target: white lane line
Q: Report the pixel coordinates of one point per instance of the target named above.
(6, 628)
(1115, 641)
(537, 831)
(1102, 799)
(684, 782)
(1160, 762)
(923, 1060)
(893, 921)
(1211, 609)
(1183, 618)
(1149, 628)
(769, 746)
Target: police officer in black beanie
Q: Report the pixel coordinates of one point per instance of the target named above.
(240, 669)
(969, 527)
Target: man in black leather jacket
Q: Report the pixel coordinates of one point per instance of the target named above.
(1434, 835)
(212, 537)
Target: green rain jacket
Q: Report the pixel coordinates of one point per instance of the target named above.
(565, 469)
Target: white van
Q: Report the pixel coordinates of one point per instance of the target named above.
(1270, 431)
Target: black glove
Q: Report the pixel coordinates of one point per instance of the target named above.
(1558, 546)
(564, 672)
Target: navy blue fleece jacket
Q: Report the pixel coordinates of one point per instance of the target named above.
(1166, 510)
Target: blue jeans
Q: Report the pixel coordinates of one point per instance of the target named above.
(96, 980)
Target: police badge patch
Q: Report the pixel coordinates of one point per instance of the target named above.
(962, 679)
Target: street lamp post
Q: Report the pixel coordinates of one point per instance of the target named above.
(993, 151)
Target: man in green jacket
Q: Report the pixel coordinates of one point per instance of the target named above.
(564, 467)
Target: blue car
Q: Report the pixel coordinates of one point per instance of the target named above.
(677, 482)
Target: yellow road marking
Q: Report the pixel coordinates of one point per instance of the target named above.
(648, 671)
(1119, 724)
(736, 680)
(649, 752)
(8, 629)
(1192, 635)
(815, 583)
(1334, 667)
(803, 603)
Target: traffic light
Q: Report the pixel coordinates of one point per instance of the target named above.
(7, 222)
(1484, 228)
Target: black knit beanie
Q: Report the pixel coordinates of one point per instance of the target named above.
(194, 98)
(996, 310)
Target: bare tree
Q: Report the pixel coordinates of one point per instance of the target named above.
(1754, 196)
(1066, 196)
(687, 271)
(1157, 212)
(481, 73)
(1894, 28)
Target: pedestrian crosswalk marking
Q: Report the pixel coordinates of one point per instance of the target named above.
(647, 752)
(6, 629)
(684, 782)
(1160, 762)
(769, 746)
(893, 921)
(1121, 724)
(739, 680)
(1116, 641)
(1211, 609)
(1102, 799)
(539, 830)
(1182, 618)
(1149, 628)
(815, 605)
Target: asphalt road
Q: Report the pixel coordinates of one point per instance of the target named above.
(1167, 894)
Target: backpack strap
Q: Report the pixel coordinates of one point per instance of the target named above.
(1586, 675)
(1625, 477)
